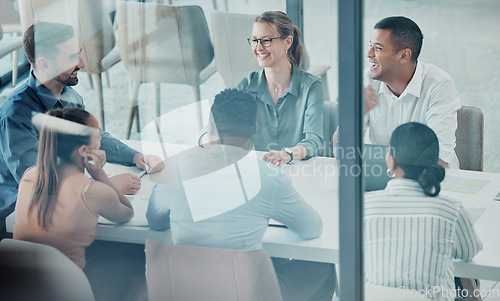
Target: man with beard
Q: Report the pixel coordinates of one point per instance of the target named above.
(400, 88)
(403, 89)
(53, 51)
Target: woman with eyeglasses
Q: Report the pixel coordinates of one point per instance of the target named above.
(290, 112)
(413, 234)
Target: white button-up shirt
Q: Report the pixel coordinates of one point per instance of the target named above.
(430, 98)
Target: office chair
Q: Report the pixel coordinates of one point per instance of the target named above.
(330, 124)
(163, 44)
(469, 138)
(11, 23)
(189, 273)
(32, 271)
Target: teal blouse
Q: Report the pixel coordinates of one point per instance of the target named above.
(297, 118)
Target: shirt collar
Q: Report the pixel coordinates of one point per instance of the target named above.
(293, 88)
(403, 183)
(46, 97)
(415, 83)
(261, 83)
(295, 81)
(413, 87)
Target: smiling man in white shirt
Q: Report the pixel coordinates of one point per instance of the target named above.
(401, 89)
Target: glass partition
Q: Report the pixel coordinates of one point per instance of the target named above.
(407, 234)
(147, 108)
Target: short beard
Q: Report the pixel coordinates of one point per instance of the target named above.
(67, 81)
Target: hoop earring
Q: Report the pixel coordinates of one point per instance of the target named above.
(389, 174)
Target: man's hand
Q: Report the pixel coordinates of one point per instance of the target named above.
(149, 163)
(278, 158)
(371, 98)
(127, 183)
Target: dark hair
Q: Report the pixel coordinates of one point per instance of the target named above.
(53, 146)
(42, 38)
(234, 113)
(284, 27)
(415, 148)
(404, 34)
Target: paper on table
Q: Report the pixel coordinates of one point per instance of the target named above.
(463, 188)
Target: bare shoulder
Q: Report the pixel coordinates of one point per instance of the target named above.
(100, 192)
(30, 174)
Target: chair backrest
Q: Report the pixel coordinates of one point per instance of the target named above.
(97, 36)
(197, 273)
(32, 271)
(330, 124)
(233, 56)
(9, 16)
(89, 18)
(9, 44)
(469, 138)
(382, 293)
(162, 43)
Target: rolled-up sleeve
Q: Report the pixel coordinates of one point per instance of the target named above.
(442, 117)
(117, 151)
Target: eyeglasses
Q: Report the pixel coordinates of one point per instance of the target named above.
(265, 42)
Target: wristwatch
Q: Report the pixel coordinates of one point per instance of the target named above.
(290, 152)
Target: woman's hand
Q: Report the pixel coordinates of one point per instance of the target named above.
(94, 162)
(126, 183)
(278, 158)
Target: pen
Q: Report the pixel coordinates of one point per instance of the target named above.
(142, 174)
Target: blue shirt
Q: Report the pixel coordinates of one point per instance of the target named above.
(19, 138)
(297, 118)
(239, 226)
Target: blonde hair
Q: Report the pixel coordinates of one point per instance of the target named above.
(284, 27)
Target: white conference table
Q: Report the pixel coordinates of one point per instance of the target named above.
(278, 241)
(317, 181)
